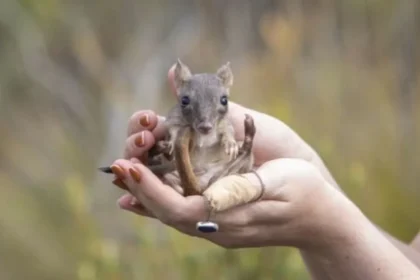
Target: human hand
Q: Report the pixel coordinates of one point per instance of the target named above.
(298, 208)
(279, 175)
(145, 127)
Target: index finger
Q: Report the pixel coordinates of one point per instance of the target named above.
(162, 200)
(146, 120)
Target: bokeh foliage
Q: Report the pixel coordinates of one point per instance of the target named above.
(344, 74)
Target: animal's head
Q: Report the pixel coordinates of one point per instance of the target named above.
(203, 97)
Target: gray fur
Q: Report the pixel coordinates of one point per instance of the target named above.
(213, 154)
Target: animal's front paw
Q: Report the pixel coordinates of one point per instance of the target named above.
(165, 147)
(231, 148)
(160, 147)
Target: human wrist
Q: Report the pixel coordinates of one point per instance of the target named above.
(358, 244)
(337, 222)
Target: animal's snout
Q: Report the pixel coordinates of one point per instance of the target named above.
(205, 127)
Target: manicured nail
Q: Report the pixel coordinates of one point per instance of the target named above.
(144, 120)
(120, 184)
(139, 141)
(118, 171)
(135, 174)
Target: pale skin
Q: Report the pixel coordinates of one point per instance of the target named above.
(302, 206)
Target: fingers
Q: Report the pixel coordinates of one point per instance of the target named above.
(254, 213)
(249, 221)
(146, 120)
(162, 200)
(138, 143)
(231, 191)
(145, 127)
(141, 120)
(145, 186)
(126, 203)
(251, 196)
(281, 141)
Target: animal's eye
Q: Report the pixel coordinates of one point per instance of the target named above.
(223, 100)
(185, 100)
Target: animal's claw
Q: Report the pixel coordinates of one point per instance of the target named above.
(164, 147)
(231, 148)
(170, 148)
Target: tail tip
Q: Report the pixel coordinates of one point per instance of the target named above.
(106, 169)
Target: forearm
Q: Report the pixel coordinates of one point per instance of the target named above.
(409, 251)
(416, 243)
(365, 253)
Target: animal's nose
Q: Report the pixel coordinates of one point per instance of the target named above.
(205, 127)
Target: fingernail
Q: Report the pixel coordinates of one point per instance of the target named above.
(135, 174)
(120, 184)
(144, 120)
(139, 141)
(118, 171)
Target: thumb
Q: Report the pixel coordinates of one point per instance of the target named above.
(234, 190)
(266, 182)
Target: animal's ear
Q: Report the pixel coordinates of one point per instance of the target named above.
(181, 74)
(226, 75)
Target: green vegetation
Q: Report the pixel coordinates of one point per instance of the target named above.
(344, 74)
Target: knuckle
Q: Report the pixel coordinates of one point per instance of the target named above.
(133, 117)
(239, 222)
(244, 220)
(175, 218)
(129, 144)
(137, 114)
(130, 148)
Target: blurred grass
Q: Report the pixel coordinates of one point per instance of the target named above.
(345, 75)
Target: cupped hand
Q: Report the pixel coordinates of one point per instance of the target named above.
(298, 208)
(299, 198)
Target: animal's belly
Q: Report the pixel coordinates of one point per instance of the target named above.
(205, 166)
(209, 157)
(208, 163)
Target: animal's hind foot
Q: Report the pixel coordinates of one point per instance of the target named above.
(250, 131)
(162, 147)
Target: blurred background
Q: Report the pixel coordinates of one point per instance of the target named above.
(344, 74)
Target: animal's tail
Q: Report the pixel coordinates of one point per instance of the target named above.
(158, 169)
(186, 173)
